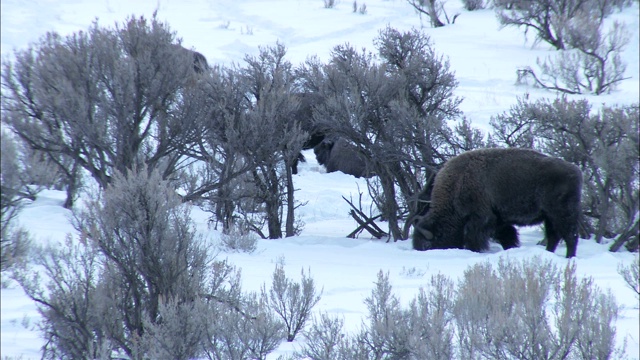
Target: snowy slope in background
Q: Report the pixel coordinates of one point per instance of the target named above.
(483, 56)
(484, 59)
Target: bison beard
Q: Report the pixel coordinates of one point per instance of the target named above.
(482, 194)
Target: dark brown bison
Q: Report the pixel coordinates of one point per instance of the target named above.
(337, 154)
(304, 115)
(482, 194)
(200, 64)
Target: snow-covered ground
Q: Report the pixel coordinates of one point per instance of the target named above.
(484, 58)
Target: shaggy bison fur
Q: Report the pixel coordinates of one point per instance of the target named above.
(200, 64)
(339, 155)
(482, 194)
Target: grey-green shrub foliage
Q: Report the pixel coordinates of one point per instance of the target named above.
(533, 310)
(594, 65)
(394, 110)
(552, 20)
(139, 283)
(325, 339)
(108, 98)
(250, 141)
(291, 301)
(68, 300)
(631, 275)
(140, 227)
(519, 309)
(270, 136)
(14, 190)
(472, 5)
(590, 60)
(238, 241)
(254, 336)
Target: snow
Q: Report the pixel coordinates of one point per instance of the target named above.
(484, 58)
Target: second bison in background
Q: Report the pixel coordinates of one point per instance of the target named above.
(482, 194)
(337, 154)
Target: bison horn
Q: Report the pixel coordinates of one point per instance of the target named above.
(426, 233)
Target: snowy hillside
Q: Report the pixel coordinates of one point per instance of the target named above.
(484, 59)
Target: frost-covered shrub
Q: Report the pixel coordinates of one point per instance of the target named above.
(14, 241)
(424, 330)
(74, 117)
(160, 340)
(153, 254)
(472, 5)
(532, 310)
(529, 309)
(432, 320)
(137, 276)
(15, 248)
(239, 241)
(386, 332)
(326, 339)
(592, 65)
(291, 301)
(67, 300)
(553, 20)
(248, 331)
(631, 275)
(397, 105)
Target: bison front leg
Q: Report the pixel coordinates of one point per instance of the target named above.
(477, 231)
(507, 236)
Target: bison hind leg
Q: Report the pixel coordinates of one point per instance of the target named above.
(568, 231)
(551, 236)
(572, 244)
(507, 236)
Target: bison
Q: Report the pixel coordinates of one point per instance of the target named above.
(200, 64)
(482, 194)
(339, 155)
(304, 115)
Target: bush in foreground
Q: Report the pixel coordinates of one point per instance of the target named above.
(529, 309)
(631, 275)
(137, 276)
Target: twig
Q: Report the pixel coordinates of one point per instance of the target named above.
(528, 71)
(362, 225)
(367, 224)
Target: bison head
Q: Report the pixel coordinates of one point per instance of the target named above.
(431, 234)
(323, 151)
(424, 237)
